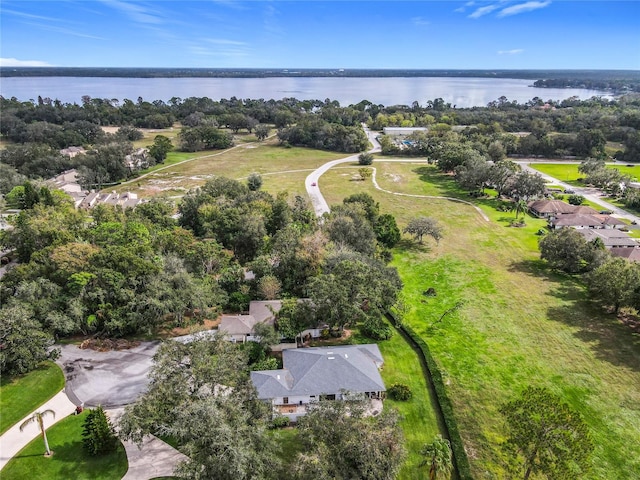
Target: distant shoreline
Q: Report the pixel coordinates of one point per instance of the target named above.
(617, 75)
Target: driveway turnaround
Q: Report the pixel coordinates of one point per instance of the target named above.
(111, 379)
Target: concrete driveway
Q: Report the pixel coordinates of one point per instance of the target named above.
(111, 379)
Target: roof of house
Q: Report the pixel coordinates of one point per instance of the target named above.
(610, 237)
(551, 206)
(322, 370)
(570, 220)
(584, 210)
(610, 220)
(632, 254)
(237, 324)
(263, 311)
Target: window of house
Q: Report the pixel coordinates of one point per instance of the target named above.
(285, 400)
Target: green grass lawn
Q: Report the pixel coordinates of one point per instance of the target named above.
(21, 395)
(282, 168)
(519, 324)
(568, 172)
(418, 419)
(69, 461)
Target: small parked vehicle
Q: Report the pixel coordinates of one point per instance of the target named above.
(569, 191)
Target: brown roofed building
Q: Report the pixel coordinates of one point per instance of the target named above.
(631, 254)
(550, 208)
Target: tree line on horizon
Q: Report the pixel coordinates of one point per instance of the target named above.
(38, 130)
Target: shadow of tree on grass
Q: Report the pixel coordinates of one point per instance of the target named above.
(614, 339)
(410, 245)
(610, 338)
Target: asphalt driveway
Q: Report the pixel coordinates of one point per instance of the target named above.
(111, 379)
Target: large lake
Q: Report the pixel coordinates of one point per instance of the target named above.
(461, 92)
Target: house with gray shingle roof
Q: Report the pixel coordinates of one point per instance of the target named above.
(311, 374)
(610, 237)
(580, 220)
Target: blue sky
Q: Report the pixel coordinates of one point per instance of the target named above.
(500, 34)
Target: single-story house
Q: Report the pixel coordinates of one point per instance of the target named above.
(239, 328)
(611, 238)
(312, 374)
(581, 221)
(72, 151)
(553, 208)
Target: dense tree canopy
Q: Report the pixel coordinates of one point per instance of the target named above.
(546, 436)
(341, 442)
(200, 394)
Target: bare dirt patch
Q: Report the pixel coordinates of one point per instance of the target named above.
(180, 331)
(393, 177)
(107, 344)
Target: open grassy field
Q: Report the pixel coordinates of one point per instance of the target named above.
(21, 395)
(281, 168)
(69, 460)
(519, 324)
(568, 172)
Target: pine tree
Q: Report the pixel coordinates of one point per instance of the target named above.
(98, 433)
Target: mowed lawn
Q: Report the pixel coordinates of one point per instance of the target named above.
(518, 325)
(22, 394)
(69, 460)
(568, 172)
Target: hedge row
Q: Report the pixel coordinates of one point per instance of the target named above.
(460, 459)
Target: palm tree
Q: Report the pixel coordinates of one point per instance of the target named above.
(438, 456)
(37, 417)
(519, 206)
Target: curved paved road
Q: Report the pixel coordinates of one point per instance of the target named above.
(590, 193)
(320, 205)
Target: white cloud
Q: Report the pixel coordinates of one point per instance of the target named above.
(479, 12)
(420, 21)
(224, 41)
(135, 11)
(515, 51)
(523, 7)
(63, 30)
(7, 11)
(14, 62)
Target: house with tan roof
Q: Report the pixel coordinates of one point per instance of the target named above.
(240, 328)
(631, 254)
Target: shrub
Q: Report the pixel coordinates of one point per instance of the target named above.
(377, 329)
(576, 199)
(365, 158)
(280, 422)
(399, 391)
(98, 435)
(268, 363)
